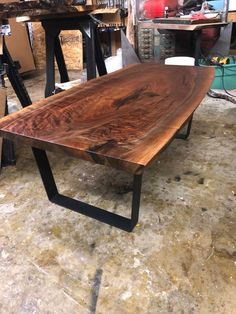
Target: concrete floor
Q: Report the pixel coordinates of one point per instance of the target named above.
(181, 258)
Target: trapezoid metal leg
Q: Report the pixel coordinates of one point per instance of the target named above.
(184, 136)
(97, 213)
(61, 61)
(45, 172)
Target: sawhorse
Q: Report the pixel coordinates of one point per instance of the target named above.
(9, 67)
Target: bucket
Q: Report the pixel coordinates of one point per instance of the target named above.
(114, 63)
(189, 61)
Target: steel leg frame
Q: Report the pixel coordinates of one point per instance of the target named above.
(61, 61)
(50, 38)
(88, 32)
(8, 152)
(7, 149)
(182, 136)
(197, 52)
(102, 215)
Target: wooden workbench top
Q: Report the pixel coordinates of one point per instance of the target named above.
(37, 10)
(123, 119)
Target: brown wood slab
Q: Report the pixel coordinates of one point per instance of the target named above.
(187, 21)
(123, 119)
(38, 10)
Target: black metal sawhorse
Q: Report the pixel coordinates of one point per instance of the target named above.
(9, 67)
(93, 53)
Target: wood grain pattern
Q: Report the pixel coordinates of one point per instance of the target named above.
(123, 119)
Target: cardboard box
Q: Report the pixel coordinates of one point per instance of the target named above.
(19, 45)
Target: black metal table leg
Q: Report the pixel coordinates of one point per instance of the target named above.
(61, 61)
(15, 78)
(88, 32)
(8, 152)
(98, 54)
(183, 136)
(197, 52)
(50, 38)
(102, 215)
(7, 147)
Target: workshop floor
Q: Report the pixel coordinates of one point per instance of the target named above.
(181, 257)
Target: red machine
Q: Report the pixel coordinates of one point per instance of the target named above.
(156, 8)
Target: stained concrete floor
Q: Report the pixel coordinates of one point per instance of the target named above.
(181, 258)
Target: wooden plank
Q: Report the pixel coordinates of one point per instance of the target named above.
(105, 11)
(123, 119)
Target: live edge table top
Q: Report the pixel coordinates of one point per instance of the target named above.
(123, 119)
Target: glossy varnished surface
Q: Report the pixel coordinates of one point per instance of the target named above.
(122, 119)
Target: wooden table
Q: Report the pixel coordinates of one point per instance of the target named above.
(195, 28)
(123, 120)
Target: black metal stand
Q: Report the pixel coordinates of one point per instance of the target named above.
(8, 151)
(8, 155)
(183, 136)
(112, 219)
(93, 52)
(198, 40)
(15, 78)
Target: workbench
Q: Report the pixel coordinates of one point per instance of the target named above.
(123, 120)
(195, 28)
(68, 18)
(54, 19)
(94, 58)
